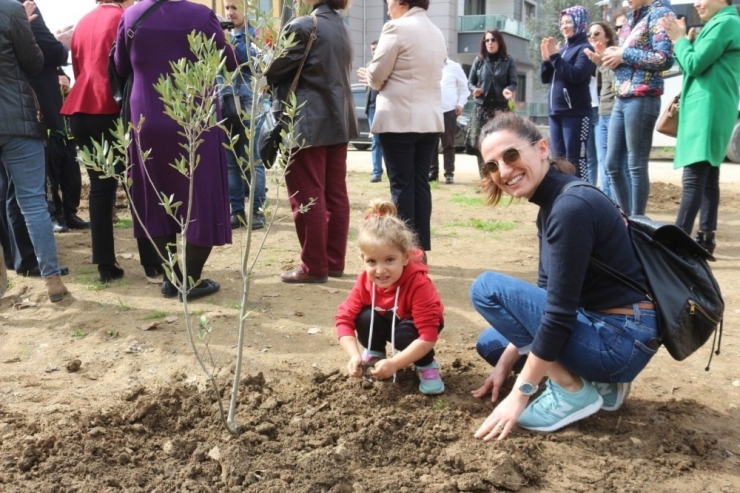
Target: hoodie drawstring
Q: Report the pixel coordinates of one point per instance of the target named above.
(393, 325)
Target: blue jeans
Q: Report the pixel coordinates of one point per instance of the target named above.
(602, 132)
(376, 152)
(631, 136)
(239, 179)
(23, 161)
(602, 347)
(592, 158)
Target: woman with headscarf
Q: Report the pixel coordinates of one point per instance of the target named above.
(568, 71)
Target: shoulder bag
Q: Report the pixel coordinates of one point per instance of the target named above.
(688, 301)
(273, 126)
(121, 86)
(668, 120)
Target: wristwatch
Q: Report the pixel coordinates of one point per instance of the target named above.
(527, 388)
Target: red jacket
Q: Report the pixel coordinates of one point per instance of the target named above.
(418, 300)
(91, 44)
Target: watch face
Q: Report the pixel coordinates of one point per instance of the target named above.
(527, 388)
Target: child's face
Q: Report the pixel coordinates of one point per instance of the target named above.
(384, 264)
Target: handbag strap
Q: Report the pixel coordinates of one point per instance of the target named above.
(601, 266)
(311, 38)
(144, 15)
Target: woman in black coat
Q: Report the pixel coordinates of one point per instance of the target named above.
(492, 80)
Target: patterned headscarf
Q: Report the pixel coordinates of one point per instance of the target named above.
(580, 18)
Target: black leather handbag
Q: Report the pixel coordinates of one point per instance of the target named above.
(273, 125)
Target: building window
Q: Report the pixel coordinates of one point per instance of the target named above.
(475, 7)
(530, 10)
(518, 10)
(521, 87)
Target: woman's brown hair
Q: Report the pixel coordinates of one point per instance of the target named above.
(611, 38)
(501, 44)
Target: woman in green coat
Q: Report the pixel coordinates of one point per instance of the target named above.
(710, 62)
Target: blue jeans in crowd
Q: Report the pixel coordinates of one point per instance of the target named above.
(602, 132)
(592, 157)
(602, 347)
(376, 152)
(631, 136)
(238, 186)
(23, 162)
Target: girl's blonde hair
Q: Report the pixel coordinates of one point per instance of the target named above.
(382, 226)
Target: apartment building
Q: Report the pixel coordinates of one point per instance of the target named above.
(462, 23)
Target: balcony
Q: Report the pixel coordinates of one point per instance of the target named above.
(480, 23)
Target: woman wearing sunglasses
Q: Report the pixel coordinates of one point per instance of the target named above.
(568, 71)
(588, 333)
(492, 80)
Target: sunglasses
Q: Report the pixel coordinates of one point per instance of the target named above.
(594, 35)
(491, 40)
(510, 157)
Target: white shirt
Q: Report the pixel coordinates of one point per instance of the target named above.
(454, 84)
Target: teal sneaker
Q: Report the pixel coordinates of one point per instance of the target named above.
(369, 357)
(556, 407)
(614, 394)
(430, 382)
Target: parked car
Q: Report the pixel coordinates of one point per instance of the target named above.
(362, 142)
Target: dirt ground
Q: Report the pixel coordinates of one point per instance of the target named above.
(91, 402)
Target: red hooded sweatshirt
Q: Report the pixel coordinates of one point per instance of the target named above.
(418, 300)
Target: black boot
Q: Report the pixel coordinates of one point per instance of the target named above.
(706, 241)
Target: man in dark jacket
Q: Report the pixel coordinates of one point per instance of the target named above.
(21, 133)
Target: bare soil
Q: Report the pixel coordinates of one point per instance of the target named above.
(91, 402)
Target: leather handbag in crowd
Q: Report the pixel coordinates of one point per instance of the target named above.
(668, 120)
(273, 125)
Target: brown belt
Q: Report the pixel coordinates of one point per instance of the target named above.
(629, 309)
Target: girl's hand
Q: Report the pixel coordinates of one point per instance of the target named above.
(503, 419)
(354, 367)
(384, 369)
(477, 92)
(493, 384)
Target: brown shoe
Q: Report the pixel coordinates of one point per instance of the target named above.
(55, 288)
(297, 276)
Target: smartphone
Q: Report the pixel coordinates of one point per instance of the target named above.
(227, 25)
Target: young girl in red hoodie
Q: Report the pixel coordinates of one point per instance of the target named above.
(392, 301)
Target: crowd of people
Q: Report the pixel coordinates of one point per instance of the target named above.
(587, 333)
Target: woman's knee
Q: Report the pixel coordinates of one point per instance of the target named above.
(485, 287)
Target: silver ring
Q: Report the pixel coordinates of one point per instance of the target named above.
(501, 425)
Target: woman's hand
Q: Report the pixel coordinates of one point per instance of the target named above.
(508, 93)
(612, 57)
(548, 48)
(354, 367)
(676, 28)
(383, 369)
(477, 92)
(597, 53)
(503, 419)
(362, 75)
(493, 384)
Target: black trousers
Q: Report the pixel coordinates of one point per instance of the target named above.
(62, 175)
(406, 333)
(447, 139)
(17, 246)
(700, 193)
(408, 158)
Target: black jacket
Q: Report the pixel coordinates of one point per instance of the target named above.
(493, 76)
(19, 53)
(46, 83)
(328, 115)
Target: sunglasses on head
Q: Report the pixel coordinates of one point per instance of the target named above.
(510, 157)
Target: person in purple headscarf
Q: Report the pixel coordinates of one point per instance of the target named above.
(568, 71)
